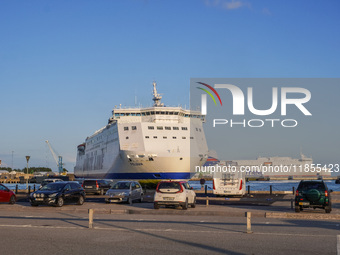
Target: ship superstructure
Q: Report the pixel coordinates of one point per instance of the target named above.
(157, 142)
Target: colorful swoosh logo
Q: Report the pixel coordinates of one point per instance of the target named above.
(209, 93)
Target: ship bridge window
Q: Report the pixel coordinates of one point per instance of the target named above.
(163, 113)
(159, 128)
(134, 128)
(147, 137)
(158, 112)
(152, 113)
(126, 128)
(151, 127)
(184, 128)
(171, 113)
(133, 114)
(186, 115)
(167, 128)
(191, 137)
(165, 137)
(155, 137)
(175, 128)
(176, 113)
(174, 137)
(183, 137)
(148, 113)
(137, 114)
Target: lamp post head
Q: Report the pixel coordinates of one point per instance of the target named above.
(27, 158)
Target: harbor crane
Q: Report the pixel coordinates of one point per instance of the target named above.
(58, 159)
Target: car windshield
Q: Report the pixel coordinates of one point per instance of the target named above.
(121, 185)
(311, 185)
(53, 186)
(169, 185)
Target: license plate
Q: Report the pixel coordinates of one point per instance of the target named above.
(168, 198)
(39, 199)
(303, 203)
(227, 191)
(88, 187)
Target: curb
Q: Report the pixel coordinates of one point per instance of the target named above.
(304, 216)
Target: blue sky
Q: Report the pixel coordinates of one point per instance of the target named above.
(65, 64)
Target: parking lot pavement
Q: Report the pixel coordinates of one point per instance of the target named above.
(28, 232)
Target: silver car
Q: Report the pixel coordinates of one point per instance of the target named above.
(125, 191)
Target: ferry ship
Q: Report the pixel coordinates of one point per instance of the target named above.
(158, 142)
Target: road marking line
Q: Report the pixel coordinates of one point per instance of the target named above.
(173, 230)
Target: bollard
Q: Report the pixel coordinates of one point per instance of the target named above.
(271, 189)
(248, 189)
(90, 218)
(29, 189)
(293, 190)
(16, 189)
(249, 223)
(207, 204)
(291, 204)
(206, 189)
(34, 188)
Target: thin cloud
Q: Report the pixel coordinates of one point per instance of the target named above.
(227, 4)
(266, 11)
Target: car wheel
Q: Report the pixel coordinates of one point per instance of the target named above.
(193, 205)
(328, 209)
(185, 205)
(129, 200)
(155, 205)
(81, 200)
(12, 200)
(33, 204)
(141, 199)
(297, 209)
(60, 202)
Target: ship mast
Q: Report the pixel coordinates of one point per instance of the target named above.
(156, 97)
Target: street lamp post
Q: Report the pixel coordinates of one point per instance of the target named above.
(27, 159)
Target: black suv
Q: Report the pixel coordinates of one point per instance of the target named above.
(313, 194)
(58, 193)
(96, 186)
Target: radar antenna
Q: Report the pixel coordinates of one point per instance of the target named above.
(156, 97)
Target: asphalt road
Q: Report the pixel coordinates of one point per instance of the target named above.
(48, 232)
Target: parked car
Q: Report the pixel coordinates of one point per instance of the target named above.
(313, 194)
(125, 191)
(7, 195)
(58, 193)
(96, 186)
(174, 193)
(47, 181)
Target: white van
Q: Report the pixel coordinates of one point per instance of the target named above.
(229, 183)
